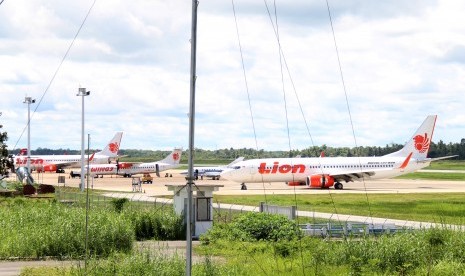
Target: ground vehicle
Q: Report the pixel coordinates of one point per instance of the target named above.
(147, 178)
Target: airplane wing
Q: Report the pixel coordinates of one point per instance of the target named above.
(64, 164)
(350, 176)
(355, 174)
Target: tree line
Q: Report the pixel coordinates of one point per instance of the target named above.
(436, 150)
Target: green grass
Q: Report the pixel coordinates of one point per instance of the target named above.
(428, 252)
(433, 176)
(36, 229)
(447, 165)
(437, 207)
(46, 228)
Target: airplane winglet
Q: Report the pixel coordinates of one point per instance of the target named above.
(405, 163)
(91, 157)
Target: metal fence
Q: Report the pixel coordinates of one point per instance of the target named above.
(290, 212)
(350, 229)
(105, 200)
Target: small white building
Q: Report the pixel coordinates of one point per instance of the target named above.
(202, 209)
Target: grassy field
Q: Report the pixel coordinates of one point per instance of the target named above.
(417, 253)
(445, 208)
(447, 165)
(433, 176)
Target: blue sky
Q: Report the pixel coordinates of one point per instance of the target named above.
(401, 61)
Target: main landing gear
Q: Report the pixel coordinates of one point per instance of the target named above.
(338, 186)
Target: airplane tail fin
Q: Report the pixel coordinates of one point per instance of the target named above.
(173, 158)
(237, 160)
(420, 142)
(112, 148)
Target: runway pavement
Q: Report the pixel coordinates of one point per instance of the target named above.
(121, 184)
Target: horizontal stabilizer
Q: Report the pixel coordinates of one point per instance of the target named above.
(436, 159)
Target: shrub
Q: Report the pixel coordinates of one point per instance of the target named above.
(157, 225)
(118, 203)
(263, 226)
(46, 189)
(255, 227)
(29, 190)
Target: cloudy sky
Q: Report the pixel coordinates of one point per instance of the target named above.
(400, 60)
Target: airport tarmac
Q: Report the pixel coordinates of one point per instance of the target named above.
(158, 188)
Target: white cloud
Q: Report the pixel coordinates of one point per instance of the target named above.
(401, 61)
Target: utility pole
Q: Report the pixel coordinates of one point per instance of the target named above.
(82, 92)
(29, 101)
(190, 177)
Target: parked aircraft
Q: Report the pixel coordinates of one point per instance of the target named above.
(56, 163)
(212, 172)
(129, 168)
(324, 172)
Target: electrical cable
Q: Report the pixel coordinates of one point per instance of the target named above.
(348, 109)
(247, 88)
(56, 71)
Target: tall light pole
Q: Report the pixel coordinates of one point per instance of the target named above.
(82, 92)
(28, 101)
(190, 178)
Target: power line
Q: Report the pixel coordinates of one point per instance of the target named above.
(56, 71)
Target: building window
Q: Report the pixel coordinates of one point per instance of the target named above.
(203, 209)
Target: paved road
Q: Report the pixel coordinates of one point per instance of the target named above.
(13, 268)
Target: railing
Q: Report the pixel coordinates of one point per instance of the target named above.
(289, 212)
(350, 229)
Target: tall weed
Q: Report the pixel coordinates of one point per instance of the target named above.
(157, 224)
(46, 228)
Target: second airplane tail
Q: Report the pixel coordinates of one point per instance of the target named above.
(112, 148)
(420, 142)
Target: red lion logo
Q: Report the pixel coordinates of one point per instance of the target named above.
(421, 143)
(113, 147)
(176, 156)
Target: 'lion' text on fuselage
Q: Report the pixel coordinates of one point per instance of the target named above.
(285, 168)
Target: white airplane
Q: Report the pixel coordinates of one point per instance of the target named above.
(324, 172)
(127, 169)
(56, 163)
(213, 172)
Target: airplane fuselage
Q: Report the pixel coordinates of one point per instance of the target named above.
(128, 169)
(298, 169)
(38, 162)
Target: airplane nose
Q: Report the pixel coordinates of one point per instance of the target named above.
(227, 174)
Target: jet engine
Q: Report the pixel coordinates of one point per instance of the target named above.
(294, 183)
(48, 168)
(323, 181)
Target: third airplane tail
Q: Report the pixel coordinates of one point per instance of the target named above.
(420, 142)
(174, 158)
